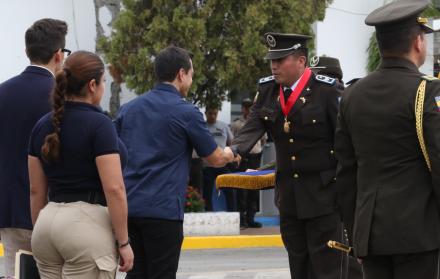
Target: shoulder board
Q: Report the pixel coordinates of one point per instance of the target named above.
(266, 79)
(325, 79)
(429, 78)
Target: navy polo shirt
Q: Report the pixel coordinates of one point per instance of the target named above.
(160, 130)
(86, 133)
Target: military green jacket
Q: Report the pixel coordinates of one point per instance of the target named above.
(389, 199)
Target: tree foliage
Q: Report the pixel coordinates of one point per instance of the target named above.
(373, 54)
(224, 36)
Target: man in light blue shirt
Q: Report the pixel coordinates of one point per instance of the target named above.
(223, 137)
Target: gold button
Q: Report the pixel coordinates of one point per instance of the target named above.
(331, 152)
(295, 175)
(265, 118)
(293, 158)
(314, 121)
(334, 178)
(291, 140)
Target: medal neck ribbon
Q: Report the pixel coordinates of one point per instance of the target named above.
(287, 107)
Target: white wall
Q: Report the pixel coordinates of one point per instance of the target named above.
(344, 35)
(17, 16)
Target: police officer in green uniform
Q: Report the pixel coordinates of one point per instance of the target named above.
(389, 198)
(298, 109)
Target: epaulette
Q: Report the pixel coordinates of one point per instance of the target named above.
(325, 79)
(429, 78)
(266, 79)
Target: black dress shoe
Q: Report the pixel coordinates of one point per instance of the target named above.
(254, 224)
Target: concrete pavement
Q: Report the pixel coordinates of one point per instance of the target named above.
(261, 255)
(250, 263)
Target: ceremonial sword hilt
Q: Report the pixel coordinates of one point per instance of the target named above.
(339, 246)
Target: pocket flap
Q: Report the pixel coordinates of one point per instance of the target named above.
(107, 263)
(328, 176)
(312, 118)
(268, 114)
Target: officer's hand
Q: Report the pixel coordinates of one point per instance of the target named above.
(126, 258)
(229, 154)
(237, 159)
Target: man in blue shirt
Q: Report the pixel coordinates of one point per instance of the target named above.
(160, 130)
(23, 100)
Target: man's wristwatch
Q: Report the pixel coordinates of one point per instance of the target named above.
(120, 245)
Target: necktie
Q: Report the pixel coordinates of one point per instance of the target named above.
(286, 93)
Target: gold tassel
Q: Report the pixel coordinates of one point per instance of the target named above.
(249, 182)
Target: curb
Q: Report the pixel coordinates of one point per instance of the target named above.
(224, 242)
(230, 242)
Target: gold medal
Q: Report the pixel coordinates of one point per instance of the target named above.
(286, 126)
(286, 106)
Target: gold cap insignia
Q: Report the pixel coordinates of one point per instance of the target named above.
(422, 20)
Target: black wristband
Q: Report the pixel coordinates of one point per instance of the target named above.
(120, 245)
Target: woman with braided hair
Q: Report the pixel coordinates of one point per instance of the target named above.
(78, 199)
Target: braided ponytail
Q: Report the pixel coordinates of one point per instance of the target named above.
(79, 69)
(50, 151)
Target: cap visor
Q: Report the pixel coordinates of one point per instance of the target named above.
(428, 29)
(272, 55)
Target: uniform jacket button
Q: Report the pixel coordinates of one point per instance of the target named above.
(314, 121)
(291, 140)
(266, 118)
(293, 158)
(332, 152)
(295, 175)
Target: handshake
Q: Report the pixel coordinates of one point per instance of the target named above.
(231, 157)
(220, 157)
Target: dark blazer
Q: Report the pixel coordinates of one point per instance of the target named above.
(23, 100)
(389, 199)
(305, 160)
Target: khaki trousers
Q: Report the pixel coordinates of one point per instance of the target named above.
(14, 239)
(74, 240)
